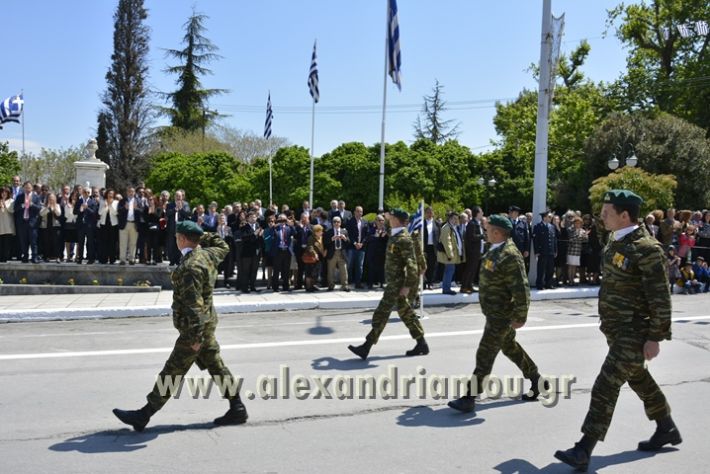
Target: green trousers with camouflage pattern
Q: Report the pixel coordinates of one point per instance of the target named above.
(624, 363)
(180, 361)
(391, 298)
(498, 336)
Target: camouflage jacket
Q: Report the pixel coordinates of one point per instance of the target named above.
(400, 261)
(635, 295)
(418, 251)
(503, 282)
(193, 281)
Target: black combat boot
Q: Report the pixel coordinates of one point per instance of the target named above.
(666, 432)
(578, 456)
(236, 415)
(136, 418)
(534, 391)
(361, 351)
(465, 404)
(422, 348)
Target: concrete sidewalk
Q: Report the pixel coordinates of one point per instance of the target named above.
(101, 305)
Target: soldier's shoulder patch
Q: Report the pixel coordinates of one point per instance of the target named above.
(621, 261)
(489, 265)
(391, 248)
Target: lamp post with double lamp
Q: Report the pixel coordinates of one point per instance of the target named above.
(631, 161)
(490, 182)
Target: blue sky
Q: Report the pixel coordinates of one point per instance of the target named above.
(58, 53)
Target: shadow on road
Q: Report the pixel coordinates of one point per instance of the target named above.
(319, 329)
(331, 363)
(442, 418)
(515, 466)
(124, 440)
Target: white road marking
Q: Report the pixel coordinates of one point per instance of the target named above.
(312, 342)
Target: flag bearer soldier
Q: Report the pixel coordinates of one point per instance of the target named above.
(402, 275)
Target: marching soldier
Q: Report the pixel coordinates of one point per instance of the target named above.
(504, 298)
(402, 275)
(195, 318)
(635, 314)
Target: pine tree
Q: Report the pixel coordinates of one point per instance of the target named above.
(126, 113)
(435, 128)
(189, 109)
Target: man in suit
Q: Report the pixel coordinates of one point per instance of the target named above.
(305, 208)
(16, 187)
(252, 237)
(521, 232)
(357, 230)
(27, 207)
(431, 239)
(303, 230)
(472, 244)
(87, 211)
(545, 244)
(130, 213)
(337, 242)
(334, 211)
(177, 211)
(281, 251)
(345, 215)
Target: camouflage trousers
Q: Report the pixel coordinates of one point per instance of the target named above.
(182, 358)
(498, 336)
(391, 298)
(624, 363)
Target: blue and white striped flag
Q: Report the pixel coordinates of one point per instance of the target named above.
(269, 118)
(416, 221)
(394, 56)
(11, 109)
(313, 77)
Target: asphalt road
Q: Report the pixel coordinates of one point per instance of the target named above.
(60, 380)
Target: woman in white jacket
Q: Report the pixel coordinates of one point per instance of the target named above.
(108, 227)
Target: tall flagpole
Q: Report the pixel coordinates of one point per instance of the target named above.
(313, 134)
(22, 94)
(381, 201)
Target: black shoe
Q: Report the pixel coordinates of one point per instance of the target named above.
(136, 418)
(420, 349)
(346, 288)
(577, 457)
(534, 391)
(661, 438)
(449, 292)
(466, 404)
(361, 351)
(35, 260)
(236, 415)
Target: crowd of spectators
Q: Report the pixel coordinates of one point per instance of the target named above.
(315, 248)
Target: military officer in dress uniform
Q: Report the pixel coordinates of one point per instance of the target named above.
(402, 274)
(635, 314)
(504, 298)
(195, 318)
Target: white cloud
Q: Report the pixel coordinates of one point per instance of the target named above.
(30, 146)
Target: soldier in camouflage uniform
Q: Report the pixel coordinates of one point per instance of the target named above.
(504, 298)
(195, 318)
(402, 275)
(635, 314)
(421, 264)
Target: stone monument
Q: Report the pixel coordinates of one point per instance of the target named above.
(91, 171)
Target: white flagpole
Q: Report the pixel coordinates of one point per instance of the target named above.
(271, 184)
(381, 201)
(22, 94)
(313, 134)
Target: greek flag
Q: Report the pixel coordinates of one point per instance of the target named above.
(269, 118)
(394, 56)
(416, 221)
(11, 109)
(313, 77)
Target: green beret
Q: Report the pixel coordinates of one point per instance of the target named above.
(400, 213)
(189, 227)
(501, 221)
(622, 197)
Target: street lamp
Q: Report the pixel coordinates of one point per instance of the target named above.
(491, 182)
(631, 161)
